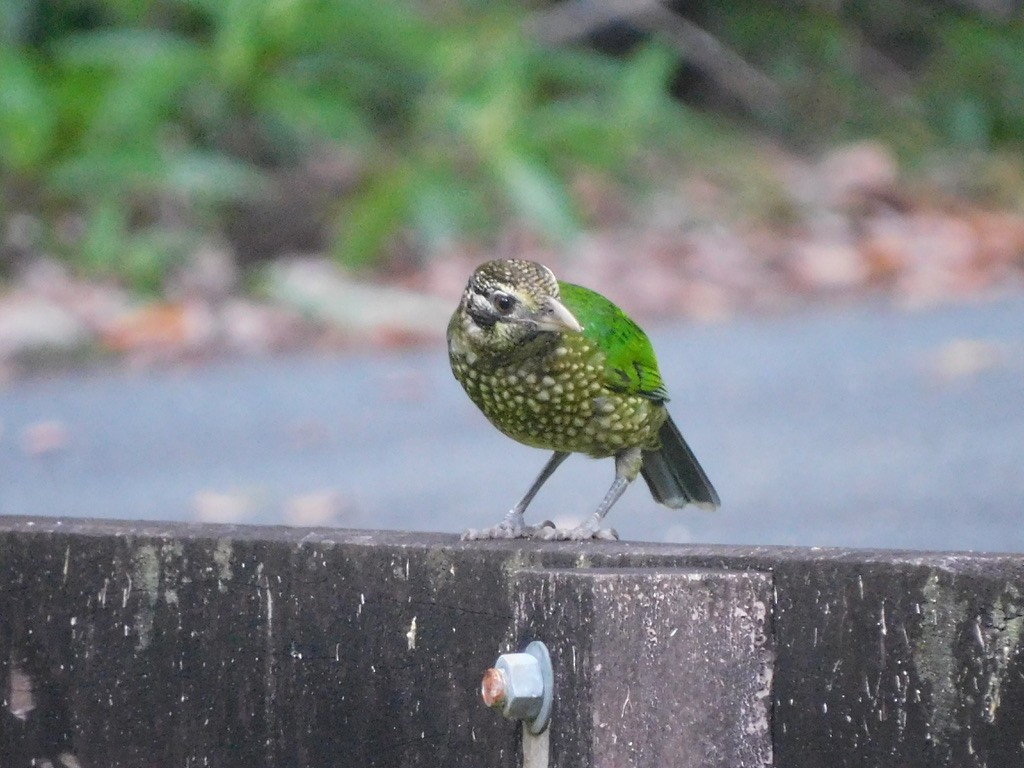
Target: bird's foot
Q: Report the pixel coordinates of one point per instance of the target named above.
(507, 529)
(583, 532)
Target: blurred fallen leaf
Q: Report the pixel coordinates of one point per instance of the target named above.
(182, 324)
(29, 322)
(44, 437)
(224, 507)
(965, 358)
(857, 170)
(318, 288)
(251, 327)
(829, 266)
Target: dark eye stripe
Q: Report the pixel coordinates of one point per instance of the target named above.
(480, 310)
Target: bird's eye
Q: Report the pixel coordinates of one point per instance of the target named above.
(503, 303)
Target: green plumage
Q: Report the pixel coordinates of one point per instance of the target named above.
(558, 366)
(630, 364)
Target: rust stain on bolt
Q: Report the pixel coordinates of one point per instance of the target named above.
(492, 689)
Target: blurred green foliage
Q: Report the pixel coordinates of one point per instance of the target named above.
(146, 117)
(919, 75)
(143, 121)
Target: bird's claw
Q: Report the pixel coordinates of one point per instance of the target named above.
(579, 533)
(546, 531)
(499, 531)
(507, 530)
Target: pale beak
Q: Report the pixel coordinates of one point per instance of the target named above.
(553, 316)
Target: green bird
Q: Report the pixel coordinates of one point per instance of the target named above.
(558, 366)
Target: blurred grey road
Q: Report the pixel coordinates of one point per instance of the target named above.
(868, 427)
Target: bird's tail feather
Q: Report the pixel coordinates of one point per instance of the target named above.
(674, 475)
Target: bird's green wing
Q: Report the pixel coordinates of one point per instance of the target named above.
(630, 364)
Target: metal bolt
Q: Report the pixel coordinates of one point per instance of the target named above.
(492, 689)
(521, 685)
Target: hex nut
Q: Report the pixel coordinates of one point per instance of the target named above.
(521, 686)
(524, 685)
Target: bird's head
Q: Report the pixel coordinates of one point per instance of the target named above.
(509, 301)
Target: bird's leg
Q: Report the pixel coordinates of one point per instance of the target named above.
(514, 525)
(627, 467)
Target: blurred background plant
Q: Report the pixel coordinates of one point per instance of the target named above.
(131, 128)
(134, 133)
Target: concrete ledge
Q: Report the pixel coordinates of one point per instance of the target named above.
(656, 666)
(125, 644)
